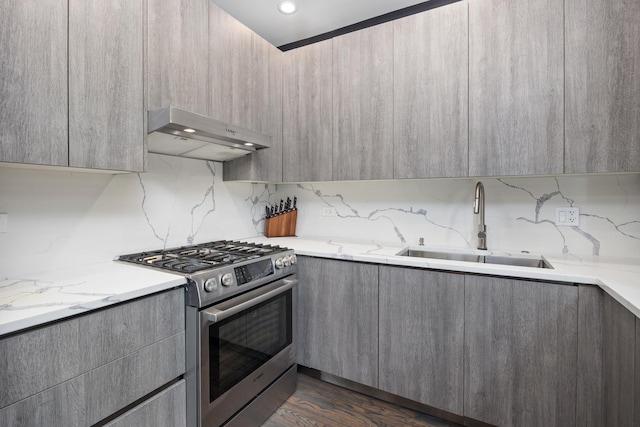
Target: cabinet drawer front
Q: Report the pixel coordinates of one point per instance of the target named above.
(166, 409)
(89, 398)
(44, 357)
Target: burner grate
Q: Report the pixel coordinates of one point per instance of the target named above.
(204, 256)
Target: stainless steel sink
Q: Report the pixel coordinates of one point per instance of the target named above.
(532, 261)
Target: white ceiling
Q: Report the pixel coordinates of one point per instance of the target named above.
(313, 17)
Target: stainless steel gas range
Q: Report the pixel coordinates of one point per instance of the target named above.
(240, 328)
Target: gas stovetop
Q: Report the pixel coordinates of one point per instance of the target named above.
(205, 256)
(217, 270)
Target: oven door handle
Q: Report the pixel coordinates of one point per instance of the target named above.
(214, 315)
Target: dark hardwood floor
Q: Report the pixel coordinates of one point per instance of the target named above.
(318, 403)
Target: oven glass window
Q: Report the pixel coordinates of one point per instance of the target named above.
(242, 343)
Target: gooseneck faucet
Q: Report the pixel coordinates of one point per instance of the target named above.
(478, 208)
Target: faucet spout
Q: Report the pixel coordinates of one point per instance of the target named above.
(478, 209)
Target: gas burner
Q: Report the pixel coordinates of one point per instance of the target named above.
(201, 257)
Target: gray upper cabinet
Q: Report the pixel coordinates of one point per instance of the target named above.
(516, 120)
(431, 93)
(33, 82)
(362, 111)
(338, 318)
(178, 55)
(307, 113)
(421, 336)
(265, 116)
(602, 86)
(520, 352)
(229, 68)
(106, 94)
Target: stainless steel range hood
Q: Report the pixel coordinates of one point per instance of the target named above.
(180, 133)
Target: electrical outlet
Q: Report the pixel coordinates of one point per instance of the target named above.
(4, 222)
(568, 216)
(328, 211)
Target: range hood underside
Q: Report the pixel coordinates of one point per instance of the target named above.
(209, 140)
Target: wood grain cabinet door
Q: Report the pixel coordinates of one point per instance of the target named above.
(338, 318)
(307, 113)
(421, 336)
(229, 68)
(265, 116)
(178, 55)
(33, 82)
(520, 352)
(619, 360)
(602, 86)
(363, 104)
(430, 101)
(516, 82)
(106, 94)
(589, 400)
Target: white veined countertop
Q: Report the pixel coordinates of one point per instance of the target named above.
(619, 277)
(37, 299)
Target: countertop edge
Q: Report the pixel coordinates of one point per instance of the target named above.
(44, 298)
(619, 280)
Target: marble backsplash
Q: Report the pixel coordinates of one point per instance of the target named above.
(58, 219)
(520, 213)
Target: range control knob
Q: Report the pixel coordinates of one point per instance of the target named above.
(279, 263)
(287, 261)
(227, 279)
(294, 259)
(211, 285)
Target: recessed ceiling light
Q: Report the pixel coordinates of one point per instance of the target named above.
(248, 144)
(287, 7)
(189, 130)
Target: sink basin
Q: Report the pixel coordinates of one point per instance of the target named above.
(532, 261)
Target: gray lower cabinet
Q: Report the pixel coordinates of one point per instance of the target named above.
(619, 356)
(33, 82)
(516, 82)
(307, 113)
(80, 371)
(589, 402)
(602, 88)
(338, 318)
(178, 55)
(430, 93)
(422, 336)
(362, 111)
(520, 352)
(166, 409)
(636, 405)
(106, 87)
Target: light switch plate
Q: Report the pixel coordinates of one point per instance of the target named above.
(568, 216)
(4, 222)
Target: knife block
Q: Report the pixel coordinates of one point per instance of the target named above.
(281, 225)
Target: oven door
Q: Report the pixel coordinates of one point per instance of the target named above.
(247, 342)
